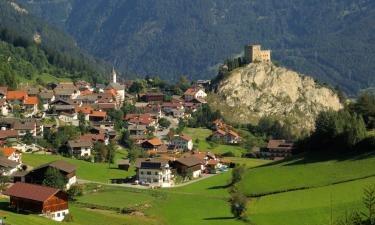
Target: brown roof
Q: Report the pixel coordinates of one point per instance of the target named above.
(31, 191)
(184, 137)
(189, 161)
(138, 162)
(80, 143)
(60, 165)
(4, 162)
(280, 144)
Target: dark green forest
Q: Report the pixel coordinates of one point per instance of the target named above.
(330, 40)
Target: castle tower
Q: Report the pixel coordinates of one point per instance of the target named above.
(114, 75)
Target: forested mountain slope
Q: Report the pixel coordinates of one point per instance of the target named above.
(331, 40)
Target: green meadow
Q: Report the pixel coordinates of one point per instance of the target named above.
(99, 172)
(201, 134)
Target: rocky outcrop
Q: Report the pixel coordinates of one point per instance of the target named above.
(263, 89)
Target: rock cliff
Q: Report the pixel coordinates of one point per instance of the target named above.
(263, 89)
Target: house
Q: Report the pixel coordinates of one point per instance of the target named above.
(66, 91)
(228, 137)
(95, 138)
(51, 202)
(80, 148)
(152, 144)
(69, 118)
(11, 154)
(153, 97)
(36, 176)
(97, 116)
(25, 126)
(46, 97)
(8, 135)
(278, 149)
(88, 99)
(141, 119)
(8, 167)
(218, 124)
(213, 165)
(107, 107)
(169, 107)
(123, 164)
(60, 105)
(120, 92)
(155, 172)
(194, 93)
(185, 165)
(138, 131)
(183, 142)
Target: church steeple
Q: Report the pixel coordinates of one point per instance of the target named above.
(114, 75)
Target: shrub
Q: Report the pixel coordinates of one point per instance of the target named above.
(74, 191)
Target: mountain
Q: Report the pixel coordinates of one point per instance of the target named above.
(331, 40)
(31, 51)
(260, 90)
(21, 22)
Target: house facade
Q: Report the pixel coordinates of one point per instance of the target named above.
(183, 142)
(80, 148)
(155, 172)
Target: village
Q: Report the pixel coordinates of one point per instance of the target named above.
(163, 155)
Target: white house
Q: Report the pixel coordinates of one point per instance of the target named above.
(69, 118)
(155, 172)
(182, 142)
(194, 93)
(80, 148)
(11, 154)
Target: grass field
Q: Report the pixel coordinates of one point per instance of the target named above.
(201, 134)
(99, 172)
(299, 173)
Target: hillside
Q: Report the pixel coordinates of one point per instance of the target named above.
(262, 89)
(52, 40)
(332, 40)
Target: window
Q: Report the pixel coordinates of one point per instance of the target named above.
(148, 172)
(156, 173)
(156, 180)
(58, 214)
(142, 172)
(63, 213)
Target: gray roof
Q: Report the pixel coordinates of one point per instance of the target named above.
(46, 94)
(143, 162)
(60, 165)
(4, 162)
(189, 161)
(137, 127)
(63, 91)
(116, 86)
(123, 162)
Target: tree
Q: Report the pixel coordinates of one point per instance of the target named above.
(74, 191)
(101, 152)
(54, 178)
(238, 205)
(82, 122)
(138, 86)
(28, 138)
(237, 174)
(163, 122)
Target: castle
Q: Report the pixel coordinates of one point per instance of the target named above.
(254, 53)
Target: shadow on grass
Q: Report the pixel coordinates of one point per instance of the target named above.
(221, 218)
(220, 186)
(5, 207)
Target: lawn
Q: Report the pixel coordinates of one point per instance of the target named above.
(299, 173)
(99, 172)
(202, 133)
(312, 206)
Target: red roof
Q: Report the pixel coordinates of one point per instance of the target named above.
(83, 109)
(112, 92)
(16, 95)
(171, 104)
(221, 132)
(98, 114)
(185, 137)
(8, 151)
(280, 144)
(8, 133)
(231, 132)
(144, 119)
(31, 191)
(192, 91)
(31, 100)
(94, 137)
(107, 105)
(85, 92)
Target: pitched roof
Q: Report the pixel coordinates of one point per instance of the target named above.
(80, 143)
(192, 91)
(16, 95)
(46, 94)
(189, 161)
(8, 133)
(83, 109)
(60, 165)
(98, 114)
(85, 92)
(221, 132)
(107, 106)
(4, 162)
(31, 191)
(231, 132)
(155, 141)
(152, 163)
(184, 137)
(93, 137)
(31, 100)
(3, 90)
(7, 151)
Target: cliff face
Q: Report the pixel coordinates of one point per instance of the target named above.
(263, 89)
